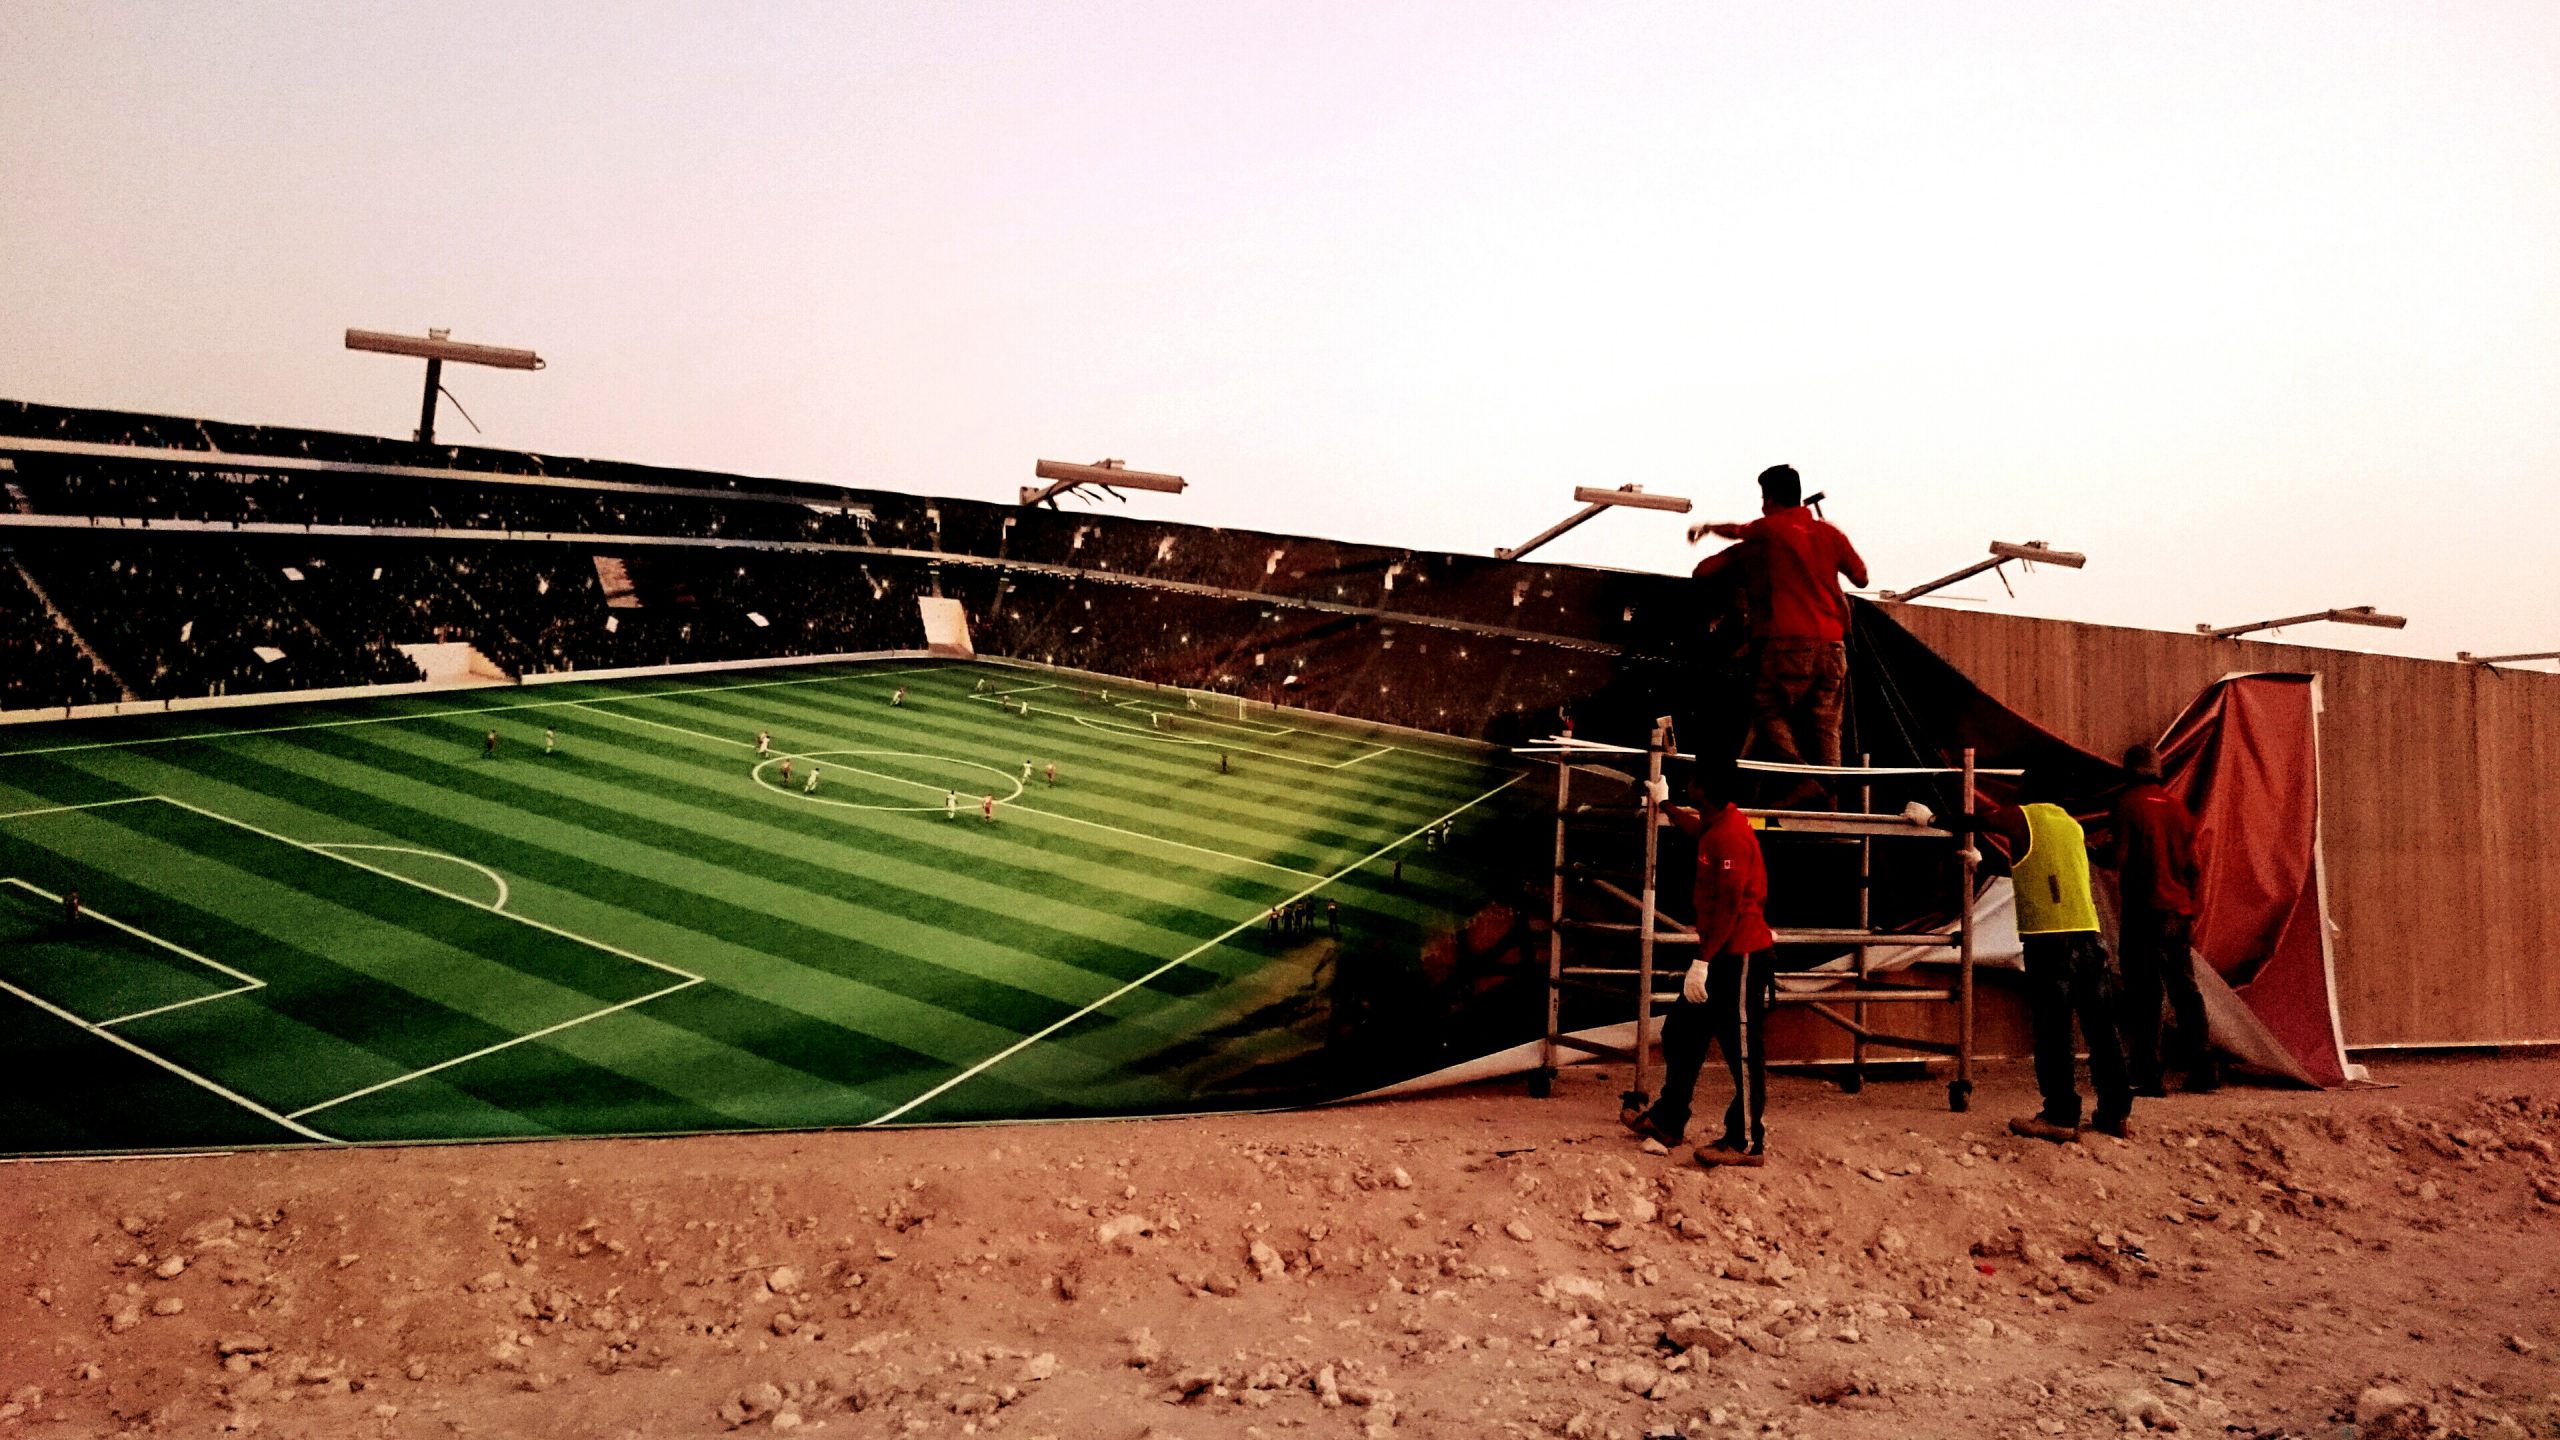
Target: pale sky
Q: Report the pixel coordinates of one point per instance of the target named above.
(2259, 304)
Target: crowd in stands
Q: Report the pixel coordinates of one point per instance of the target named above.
(41, 665)
(179, 614)
(1458, 643)
(1603, 607)
(204, 620)
(1421, 676)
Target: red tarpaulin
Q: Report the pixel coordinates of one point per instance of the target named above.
(2246, 760)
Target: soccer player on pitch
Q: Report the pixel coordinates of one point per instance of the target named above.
(550, 740)
(1026, 772)
(786, 769)
(951, 805)
(764, 743)
(489, 746)
(899, 697)
(988, 808)
(812, 787)
(1053, 774)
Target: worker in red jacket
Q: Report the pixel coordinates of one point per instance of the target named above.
(1791, 564)
(2153, 849)
(1725, 997)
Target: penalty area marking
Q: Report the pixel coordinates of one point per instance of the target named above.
(248, 981)
(494, 877)
(1263, 728)
(99, 1029)
(1017, 690)
(327, 850)
(756, 772)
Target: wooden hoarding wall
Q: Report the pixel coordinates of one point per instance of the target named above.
(2440, 790)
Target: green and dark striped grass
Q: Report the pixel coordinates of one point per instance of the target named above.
(341, 923)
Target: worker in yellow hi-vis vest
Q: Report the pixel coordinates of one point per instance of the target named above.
(2047, 856)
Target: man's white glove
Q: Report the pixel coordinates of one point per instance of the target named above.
(1969, 855)
(1658, 790)
(1917, 813)
(1693, 987)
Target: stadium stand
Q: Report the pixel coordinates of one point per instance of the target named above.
(40, 665)
(200, 558)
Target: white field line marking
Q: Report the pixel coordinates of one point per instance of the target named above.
(1018, 690)
(172, 1066)
(526, 920)
(1161, 840)
(250, 982)
(415, 715)
(494, 877)
(688, 977)
(1149, 732)
(501, 1045)
(1263, 728)
(60, 809)
(1027, 1041)
(1008, 803)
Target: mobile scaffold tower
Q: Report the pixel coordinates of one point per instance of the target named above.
(1838, 993)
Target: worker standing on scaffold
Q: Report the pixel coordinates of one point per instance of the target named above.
(1791, 563)
(1725, 997)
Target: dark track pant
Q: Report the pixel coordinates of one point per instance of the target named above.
(1797, 690)
(2157, 959)
(2067, 979)
(1735, 1016)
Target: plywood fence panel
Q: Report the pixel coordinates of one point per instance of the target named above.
(2441, 791)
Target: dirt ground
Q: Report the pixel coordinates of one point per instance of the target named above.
(2255, 1263)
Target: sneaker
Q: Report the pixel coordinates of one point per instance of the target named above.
(1720, 1155)
(1641, 1122)
(2036, 1127)
(2118, 1126)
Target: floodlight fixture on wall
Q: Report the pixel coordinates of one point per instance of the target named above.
(2034, 552)
(2352, 615)
(435, 349)
(2487, 660)
(1109, 476)
(1593, 501)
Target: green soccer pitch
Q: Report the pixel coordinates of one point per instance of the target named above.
(346, 923)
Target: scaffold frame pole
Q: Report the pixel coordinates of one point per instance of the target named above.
(1844, 1004)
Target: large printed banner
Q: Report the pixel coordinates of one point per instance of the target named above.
(918, 890)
